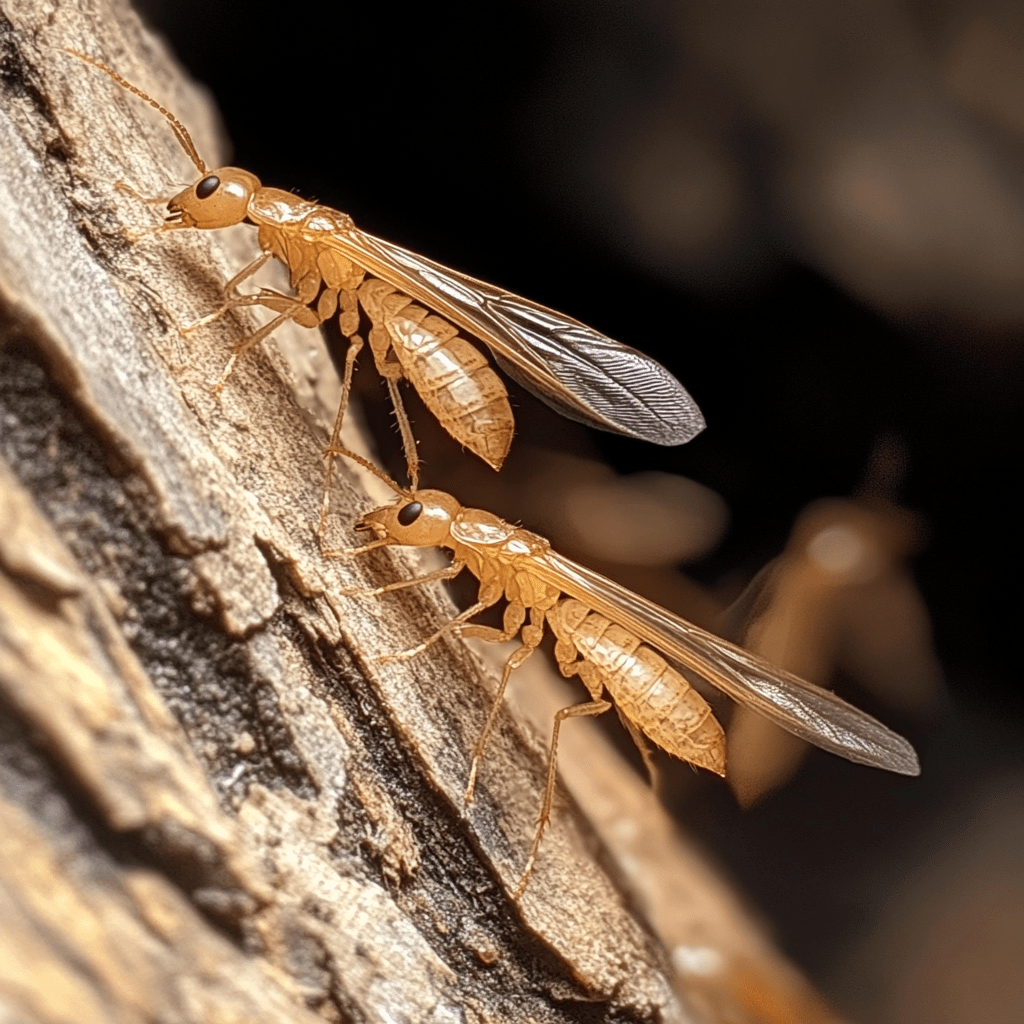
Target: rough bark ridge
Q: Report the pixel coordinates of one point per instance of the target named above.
(214, 804)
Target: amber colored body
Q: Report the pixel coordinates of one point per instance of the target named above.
(335, 269)
(408, 342)
(616, 642)
(646, 690)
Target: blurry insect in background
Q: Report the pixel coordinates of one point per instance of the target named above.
(615, 641)
(838, 599)
(576, 370)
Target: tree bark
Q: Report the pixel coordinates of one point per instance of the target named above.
(215, 804)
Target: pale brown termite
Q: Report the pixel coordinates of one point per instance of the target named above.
(617, 643)
(573, 368)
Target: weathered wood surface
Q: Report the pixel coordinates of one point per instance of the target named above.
(214, 804)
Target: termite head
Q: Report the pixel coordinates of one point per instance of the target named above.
(217, 200)
(421, 519)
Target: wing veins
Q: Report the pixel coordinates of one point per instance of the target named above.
(651, 405)
(810, 712)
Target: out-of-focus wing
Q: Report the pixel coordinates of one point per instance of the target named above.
(807, 711)
(578, 371)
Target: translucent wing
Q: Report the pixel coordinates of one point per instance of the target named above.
(578, 371)
(807, 711)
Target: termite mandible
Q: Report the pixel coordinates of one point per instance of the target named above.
(615, 641)
(576, 370)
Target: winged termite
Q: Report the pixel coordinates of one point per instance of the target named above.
(335, 269)
(615, 641)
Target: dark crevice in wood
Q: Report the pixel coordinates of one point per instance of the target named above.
(32, 778)
(215, 691)
(206, 679)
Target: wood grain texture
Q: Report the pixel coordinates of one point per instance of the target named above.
(214, 804)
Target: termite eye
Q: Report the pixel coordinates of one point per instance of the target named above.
(207, 186)
(410, 513)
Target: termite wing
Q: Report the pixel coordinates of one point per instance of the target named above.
(811, 712)
(575, 369)
(616, 641)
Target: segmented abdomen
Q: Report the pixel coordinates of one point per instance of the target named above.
(452, 376)
(644, 686)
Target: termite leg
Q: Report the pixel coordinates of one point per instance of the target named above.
(591, 708)
(245, 272)
(488, 595)
(355, 346)
(235, 303)
(448, 627)
(229, 302)
(412, 457)
(515, 615)
(389, 367)
(447, 573)
(645, 751)
(265, 331)
(361, 550)
(340, 449)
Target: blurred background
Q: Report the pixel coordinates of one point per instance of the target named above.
(814, 216)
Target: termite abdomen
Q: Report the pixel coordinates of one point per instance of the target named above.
(644, 687)
(452, 376)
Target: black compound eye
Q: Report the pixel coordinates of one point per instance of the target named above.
(409, 513)
(207, 186)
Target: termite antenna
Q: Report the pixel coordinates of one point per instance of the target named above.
(180, 131)
(338, 449)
